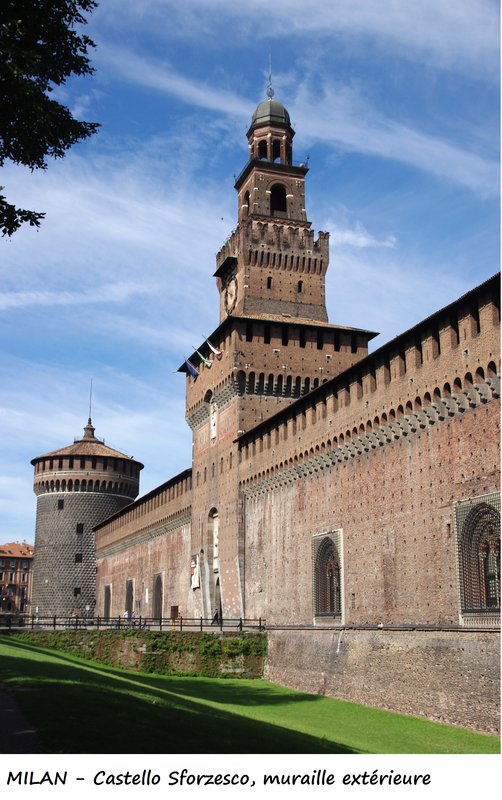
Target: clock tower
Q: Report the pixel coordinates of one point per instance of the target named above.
(271, 264)
(273, 345)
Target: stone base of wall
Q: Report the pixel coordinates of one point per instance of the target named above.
(444, 676)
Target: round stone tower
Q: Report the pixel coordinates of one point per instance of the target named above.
(77, 487)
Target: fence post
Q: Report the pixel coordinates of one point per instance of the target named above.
(54, 623)
(160, 624)
(221, 623)
(201, 624)
(181, 624)
(259, 624)
(32, 621)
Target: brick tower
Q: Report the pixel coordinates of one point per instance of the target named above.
(77, 487)
(275, 340)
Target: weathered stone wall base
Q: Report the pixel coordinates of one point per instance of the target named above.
(445, 676)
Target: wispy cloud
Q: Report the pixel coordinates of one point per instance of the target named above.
(114, 293)
(155, 74)
(347, 121)
(459, 36)
(333, 113)
(357, 237)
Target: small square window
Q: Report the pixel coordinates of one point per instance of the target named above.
(60, 505)
(80, 527)
(76, 592)
(78, 558)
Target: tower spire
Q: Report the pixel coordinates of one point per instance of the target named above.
(270, 91)
(90, 404)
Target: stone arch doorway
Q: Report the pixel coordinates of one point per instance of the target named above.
(158, 596)
(210, 566)
(217, 599)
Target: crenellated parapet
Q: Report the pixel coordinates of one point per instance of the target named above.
(416, 422)
(442, 368)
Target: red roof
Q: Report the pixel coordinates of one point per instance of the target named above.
(16, 550)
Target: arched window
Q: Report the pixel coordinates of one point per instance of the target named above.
(278, 199)
(479, 556)
(276, 150)
(327, 576)
(246, 203)
(262, 150)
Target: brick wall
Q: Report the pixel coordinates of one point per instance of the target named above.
(56, 572)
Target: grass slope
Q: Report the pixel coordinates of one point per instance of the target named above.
(80, 707)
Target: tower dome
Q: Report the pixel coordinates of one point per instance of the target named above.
(77, 487)
(270, 112)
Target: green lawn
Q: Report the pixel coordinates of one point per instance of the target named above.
(78, 706)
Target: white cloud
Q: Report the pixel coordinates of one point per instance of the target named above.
(357, 237)
(114, 293)
(344, 119)
(461, 35)
(333, 113)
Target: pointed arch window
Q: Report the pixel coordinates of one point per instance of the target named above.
(327, 578)
(478, 547)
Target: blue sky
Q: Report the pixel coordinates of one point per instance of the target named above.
(395, 102)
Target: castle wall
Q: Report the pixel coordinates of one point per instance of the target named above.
(445, 676)
(163, 551)
(455, 350)
(394, 506)
(150, 538)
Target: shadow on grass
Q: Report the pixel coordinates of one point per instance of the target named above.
(80, 707)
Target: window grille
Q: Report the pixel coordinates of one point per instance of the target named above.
(327, 574)
(477, 524)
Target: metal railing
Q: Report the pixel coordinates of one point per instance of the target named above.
(162, 624)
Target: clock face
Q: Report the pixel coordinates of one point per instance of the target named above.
(230, 294)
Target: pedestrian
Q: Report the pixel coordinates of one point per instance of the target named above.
(215, 617)
(133, 619)
(126, 615)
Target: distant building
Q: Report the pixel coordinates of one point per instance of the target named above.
(16, 562)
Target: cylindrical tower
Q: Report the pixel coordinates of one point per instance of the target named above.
(77, 487)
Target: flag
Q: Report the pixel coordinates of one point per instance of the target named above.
(206, 361)
(190, 367)
(218, 353)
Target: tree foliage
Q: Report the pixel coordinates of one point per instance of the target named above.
(39, 49)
